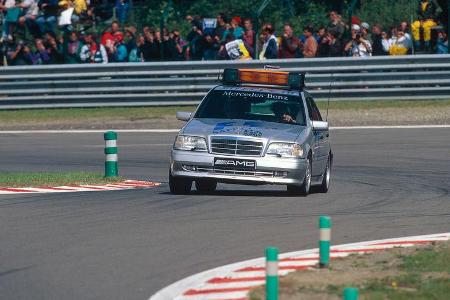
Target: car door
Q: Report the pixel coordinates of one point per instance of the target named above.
(321, 138)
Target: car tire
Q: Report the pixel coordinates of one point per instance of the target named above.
(325, 185)
(303, 189)
(205, 186)
(179, 185)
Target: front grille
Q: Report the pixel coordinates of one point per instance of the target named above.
(231, 171)
(233, 146)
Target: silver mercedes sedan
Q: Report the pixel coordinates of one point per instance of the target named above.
(249, 130)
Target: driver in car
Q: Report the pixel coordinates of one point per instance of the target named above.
(281, 112)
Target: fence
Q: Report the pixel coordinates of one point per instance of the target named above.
(184, 83)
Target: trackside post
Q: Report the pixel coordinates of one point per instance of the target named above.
(351, 293)
(324, 241)
(271, 273)
(111, 165)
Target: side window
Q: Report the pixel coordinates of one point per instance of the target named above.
(313, 111)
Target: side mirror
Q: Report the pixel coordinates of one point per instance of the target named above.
(184, 115)
(320, 125)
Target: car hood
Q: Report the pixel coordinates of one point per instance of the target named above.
(258, 129)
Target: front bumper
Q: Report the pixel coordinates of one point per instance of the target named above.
(269, 169)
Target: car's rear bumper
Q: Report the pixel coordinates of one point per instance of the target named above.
(269, 169)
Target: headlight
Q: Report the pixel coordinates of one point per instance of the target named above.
(285, 150)
(190, 143)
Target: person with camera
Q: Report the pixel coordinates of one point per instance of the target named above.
(55, 49)
(234, 28)
(120, 51)
(290, 46)
(400, 43)
(18, 54)
(211, 47)
(358, 46)
(330, 46)
(195, 40)
(378, 38)
(149, 49)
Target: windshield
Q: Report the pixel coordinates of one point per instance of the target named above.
(249, 105)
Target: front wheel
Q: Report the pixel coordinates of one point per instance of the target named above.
(302, 190)
(205, 186)
(325, 185)
(179, 185)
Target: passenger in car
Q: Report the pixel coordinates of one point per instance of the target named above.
(282, 113)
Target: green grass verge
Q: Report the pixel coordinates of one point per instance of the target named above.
(427, 260)
(99, 114)
(407, 287)
(426, 275)
(147, 113)
(18, 179)
(383, 104)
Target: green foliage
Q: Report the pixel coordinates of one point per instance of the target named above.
(277, 12)
(298, 13)
(152, 12)
(387, 12)
(210, 9)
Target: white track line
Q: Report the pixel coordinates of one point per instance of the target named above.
(389, 127)
(90, 131)
(176, 130)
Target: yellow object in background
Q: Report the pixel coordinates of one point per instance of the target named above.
(244, 51)
(397, 50)
(80, 6)
(424, 6)
(426, 25)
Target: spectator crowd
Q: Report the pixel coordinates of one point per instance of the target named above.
(56, 32)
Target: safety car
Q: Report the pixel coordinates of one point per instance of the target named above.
(256, 127)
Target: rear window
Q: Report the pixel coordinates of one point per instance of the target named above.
(249, 105)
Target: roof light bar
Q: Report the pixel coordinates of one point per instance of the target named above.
(263, 77)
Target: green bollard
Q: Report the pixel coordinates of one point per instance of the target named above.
(350, 293)
(324, 241)
(271, 273)
(111, 165)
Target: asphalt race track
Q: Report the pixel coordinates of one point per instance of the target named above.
(129, 244)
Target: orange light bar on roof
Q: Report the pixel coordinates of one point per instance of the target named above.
(263, 77)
